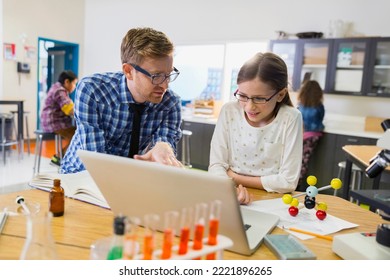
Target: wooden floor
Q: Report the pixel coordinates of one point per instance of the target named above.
(48, 147)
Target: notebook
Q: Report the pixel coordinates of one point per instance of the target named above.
(135, 188)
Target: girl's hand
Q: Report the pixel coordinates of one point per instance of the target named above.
(243, 196)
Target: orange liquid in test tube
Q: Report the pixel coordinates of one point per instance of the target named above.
(130, 244)
(170, 224)
(198, 237)
(129, 247)
(151, 222)
(214, 223)
(186, 221)
(212, 237)
(200, 218)
(167, 244)
(148, 246)
(184, 238)
(215, 213)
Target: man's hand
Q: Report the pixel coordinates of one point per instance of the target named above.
(162, 153)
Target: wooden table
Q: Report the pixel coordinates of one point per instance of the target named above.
(361, 156)
(376, 199)
(84, 223)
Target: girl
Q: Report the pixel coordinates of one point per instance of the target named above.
(310, 103)
(258, 138)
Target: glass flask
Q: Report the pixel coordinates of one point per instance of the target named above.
(39, 244)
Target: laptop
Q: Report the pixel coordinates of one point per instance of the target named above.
(135, 188)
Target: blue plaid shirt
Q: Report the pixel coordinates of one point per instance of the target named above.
(104, 122)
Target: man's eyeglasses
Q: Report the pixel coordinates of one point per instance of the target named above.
(256, 99)
(157, 79)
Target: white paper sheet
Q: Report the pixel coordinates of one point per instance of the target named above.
(305, 220)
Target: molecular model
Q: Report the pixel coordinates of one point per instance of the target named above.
(310, 197)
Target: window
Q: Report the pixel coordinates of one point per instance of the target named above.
(210, 71)
(200, 69)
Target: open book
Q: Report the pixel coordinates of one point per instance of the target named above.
(79, 186)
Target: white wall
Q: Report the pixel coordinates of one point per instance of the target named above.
(212, 21)
(53, 19)
(1, 56)
(99, 25)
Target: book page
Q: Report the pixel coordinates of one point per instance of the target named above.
(79, 186)
(305, 220)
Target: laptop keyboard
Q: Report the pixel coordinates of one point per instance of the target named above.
(246, 227)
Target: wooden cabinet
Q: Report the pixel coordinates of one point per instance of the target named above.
(199, 143)
(347, 66)
(288, 51)
(305, 58)
(378, 82)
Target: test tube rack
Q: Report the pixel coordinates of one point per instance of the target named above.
(100, 249)
(223, 243)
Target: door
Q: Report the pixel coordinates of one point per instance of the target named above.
(54, 57)
(59, 59)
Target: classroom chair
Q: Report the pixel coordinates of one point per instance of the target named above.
(185, 148)
(6, 140)
(40, 137)
(25, 114)
(356, 175)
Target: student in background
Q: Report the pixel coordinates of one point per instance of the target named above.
(258, 138)
(310, 103)
(57, 112)
(107, 105)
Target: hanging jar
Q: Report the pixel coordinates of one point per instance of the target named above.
(39, 244)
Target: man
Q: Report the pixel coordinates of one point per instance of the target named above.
(106, 105)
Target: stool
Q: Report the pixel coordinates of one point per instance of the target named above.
(25, 114)
(185, 148)
(356, 173)
(6, 135)
(40, 137)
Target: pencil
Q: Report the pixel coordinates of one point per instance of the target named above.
(310, 233)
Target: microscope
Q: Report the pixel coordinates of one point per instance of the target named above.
(381, 160)
(362, 245)
(377, 164)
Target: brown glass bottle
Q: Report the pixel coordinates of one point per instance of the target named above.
(57, 199)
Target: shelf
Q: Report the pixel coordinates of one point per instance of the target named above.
(382, 66)
(352, 67)
(346, 66)
(314, 66)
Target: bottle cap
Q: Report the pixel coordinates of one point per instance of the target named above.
(119, 225)
(383, 235)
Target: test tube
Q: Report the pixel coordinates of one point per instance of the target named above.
(151, 222)
(131, 246)
(185, 225)
(170, 225)
(215, 214)
(200, 220)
